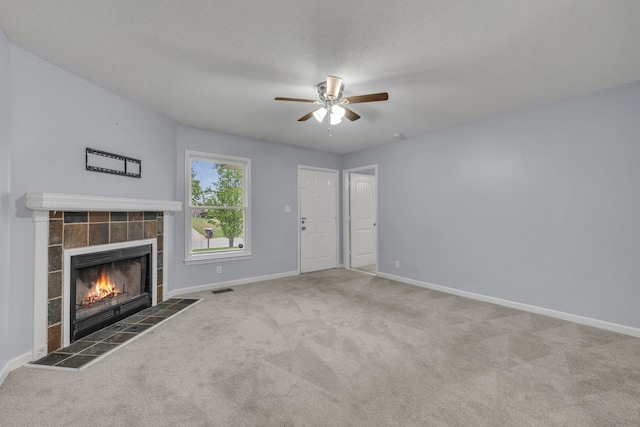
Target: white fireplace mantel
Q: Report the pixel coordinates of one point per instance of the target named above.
(42, 203)
(74, 202)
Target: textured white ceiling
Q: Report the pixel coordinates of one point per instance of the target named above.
(218, 64)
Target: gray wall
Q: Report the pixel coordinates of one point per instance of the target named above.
(539, 207)
(55, 116)
(274, 177)
(5, 188)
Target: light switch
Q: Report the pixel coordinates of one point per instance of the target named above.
(287, 208)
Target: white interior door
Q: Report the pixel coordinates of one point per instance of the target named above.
(362, 208)
(318, 219)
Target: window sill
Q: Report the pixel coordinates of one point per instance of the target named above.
(215, 259)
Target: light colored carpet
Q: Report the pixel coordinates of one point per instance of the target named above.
(341, 348)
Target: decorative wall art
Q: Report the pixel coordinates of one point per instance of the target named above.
(101, 161)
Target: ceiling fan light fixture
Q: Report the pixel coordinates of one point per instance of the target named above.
(337, 112)
(319, 114)
(335, 120)
(333, 87)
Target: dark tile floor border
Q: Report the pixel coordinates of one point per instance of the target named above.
(93, 347)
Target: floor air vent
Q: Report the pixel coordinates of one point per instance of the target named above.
(221, 291)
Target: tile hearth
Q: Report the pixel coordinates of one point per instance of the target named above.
(89, 349)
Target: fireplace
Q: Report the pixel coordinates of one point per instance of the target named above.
(103, 284)
(68, 224)
(107, 286)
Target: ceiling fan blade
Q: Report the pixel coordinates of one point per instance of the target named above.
(333, 86)
(350, 114)
(310, 101)
(308, 115)
(383, 96)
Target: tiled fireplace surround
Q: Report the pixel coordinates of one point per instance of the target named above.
(68, 230)
(64, 222)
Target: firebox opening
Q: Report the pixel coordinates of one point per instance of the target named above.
(107, 287)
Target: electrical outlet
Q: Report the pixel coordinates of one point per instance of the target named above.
(219, 269)
(397, 264)
(41, 352)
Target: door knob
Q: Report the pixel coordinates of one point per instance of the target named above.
(304, 228)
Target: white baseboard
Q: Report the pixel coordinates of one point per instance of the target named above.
(221, 285)
(614, 327)
(4, 373)
(14, 364)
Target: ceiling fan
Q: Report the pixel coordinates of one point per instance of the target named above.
(332, 104)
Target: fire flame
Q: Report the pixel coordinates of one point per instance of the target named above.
(104, 287)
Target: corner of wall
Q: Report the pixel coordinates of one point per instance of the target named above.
(12, 364)
(5, 189)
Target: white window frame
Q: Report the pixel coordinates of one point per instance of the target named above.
(210, 257)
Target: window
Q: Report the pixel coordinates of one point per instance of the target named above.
(217, 196)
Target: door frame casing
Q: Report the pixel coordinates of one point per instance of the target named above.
(337, 213)
(346, 222)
